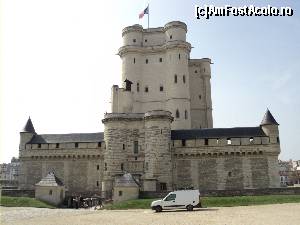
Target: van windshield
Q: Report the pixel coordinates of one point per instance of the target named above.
(170, 197)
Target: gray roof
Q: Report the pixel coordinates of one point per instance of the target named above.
(50, 180)
(217, 133)
(125, 181)
(28, 127)
(67, 138)
(268, 119)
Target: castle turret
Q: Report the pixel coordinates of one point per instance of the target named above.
(158, 164)
(26, 134)
(270, 127)
(177, 74)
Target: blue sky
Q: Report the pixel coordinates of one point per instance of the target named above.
(58, 63)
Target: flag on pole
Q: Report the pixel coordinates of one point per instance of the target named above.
(145, 11)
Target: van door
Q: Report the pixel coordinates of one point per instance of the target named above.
(169, 201)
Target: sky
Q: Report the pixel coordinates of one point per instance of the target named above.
(58, 62)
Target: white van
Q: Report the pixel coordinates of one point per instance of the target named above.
(185, 199)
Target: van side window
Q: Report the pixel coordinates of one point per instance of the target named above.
(170, 197)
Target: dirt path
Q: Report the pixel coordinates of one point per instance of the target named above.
(285, 214)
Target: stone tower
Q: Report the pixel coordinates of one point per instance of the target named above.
(158, 156)
(157, 62)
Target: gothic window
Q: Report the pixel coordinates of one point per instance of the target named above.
(135, 147)
(175, 78)
(183, 79)
(146, 89)
(185, 114)
(147, 61)
(138, 87)
(161, 88)
(160, 59)
(177, 113)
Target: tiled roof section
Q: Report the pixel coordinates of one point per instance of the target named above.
(50, 180)
(217, 133)
(67, 138)
(28, 127)
(268, 119)
(126, 181)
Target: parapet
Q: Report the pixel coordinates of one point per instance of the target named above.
(122, 116)
(175, 24)
(133, 28)
(158, 114)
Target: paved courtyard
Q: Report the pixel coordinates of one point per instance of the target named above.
(285, 214)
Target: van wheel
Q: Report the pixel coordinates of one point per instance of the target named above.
(158, 208)
(189, 208)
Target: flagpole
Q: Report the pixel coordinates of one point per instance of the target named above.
(148, 15)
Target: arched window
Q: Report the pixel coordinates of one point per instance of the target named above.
(185, 114)
(183, 78)
(175, 78)
(137, 86)
(177, 113)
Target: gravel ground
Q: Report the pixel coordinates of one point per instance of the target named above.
(285, 214)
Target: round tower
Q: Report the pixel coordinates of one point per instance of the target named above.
(205, 72)
(270, 127)
(158, 165)
(177, 75)
(26, 134)
(130, 54)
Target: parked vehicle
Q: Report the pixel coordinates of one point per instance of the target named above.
(183, 199)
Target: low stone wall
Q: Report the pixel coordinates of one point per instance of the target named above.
(17, 193)
(225, 193)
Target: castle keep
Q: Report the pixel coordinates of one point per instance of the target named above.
(160, 129)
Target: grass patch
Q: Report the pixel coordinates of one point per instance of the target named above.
(23, 202)
(215, 201)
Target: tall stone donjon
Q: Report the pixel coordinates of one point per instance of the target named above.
(158, 157)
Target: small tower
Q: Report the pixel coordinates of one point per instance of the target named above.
(270, 126)
(26, 134)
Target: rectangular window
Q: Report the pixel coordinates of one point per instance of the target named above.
(123, 146)
(206, 141)
(39, 145)
(134, 40)
(163, 187)
(57, 145)
(183, 142)
(147, 61)
(160, 59)
(135, 147)
(146, 89)
(122, 166)
(99, 144)
(161, 88)
(120, 193)
(97, 183)
(98, 167)
(133, 60)
(76, 145)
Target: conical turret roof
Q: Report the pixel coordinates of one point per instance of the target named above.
(29, 127)
(268, 119)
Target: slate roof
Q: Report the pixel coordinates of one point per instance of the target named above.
(28, 127)
(217, 133)
(50, 180)
(268, 119)
(126, 181)
(67, 138)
